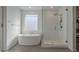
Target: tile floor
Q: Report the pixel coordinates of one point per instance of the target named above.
(20, 48)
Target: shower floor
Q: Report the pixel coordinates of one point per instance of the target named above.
(20, 48)
(54, 43)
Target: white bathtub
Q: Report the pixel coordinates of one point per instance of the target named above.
(29, 39)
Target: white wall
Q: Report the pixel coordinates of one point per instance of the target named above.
(32, 12)
(0, 29)
(13, 25)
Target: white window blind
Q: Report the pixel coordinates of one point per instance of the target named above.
(31, 23)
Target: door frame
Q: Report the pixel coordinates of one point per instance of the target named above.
(74, 29)
(1, 28)
(4, 34)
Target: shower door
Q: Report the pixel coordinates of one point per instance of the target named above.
(49, 26)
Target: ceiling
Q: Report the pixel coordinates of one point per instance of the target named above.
(30, 7)
(39, 7)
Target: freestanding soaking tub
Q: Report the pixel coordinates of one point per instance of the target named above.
(29, 39)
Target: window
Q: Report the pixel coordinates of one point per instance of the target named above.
(31, 23)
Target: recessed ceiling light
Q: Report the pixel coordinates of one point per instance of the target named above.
(29, 7)
(51, 7)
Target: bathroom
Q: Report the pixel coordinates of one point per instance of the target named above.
(43, 27)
